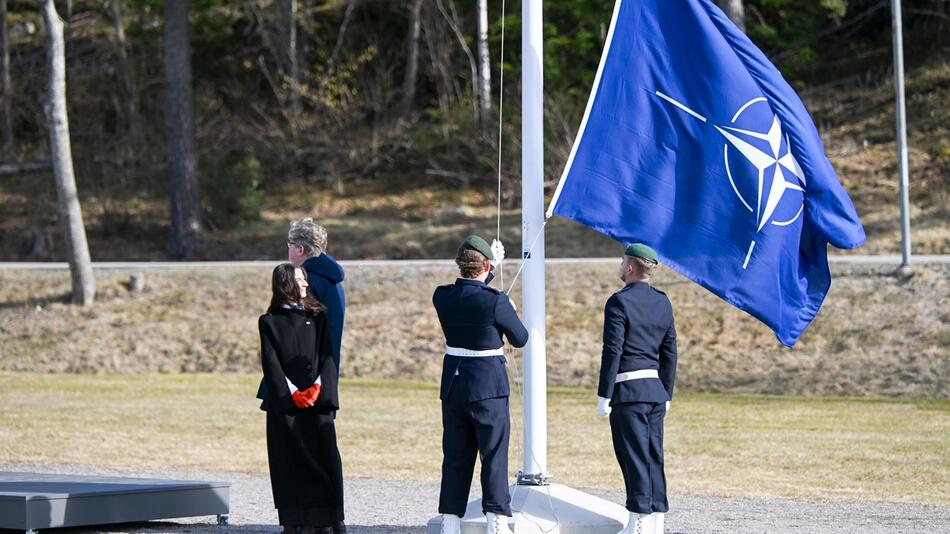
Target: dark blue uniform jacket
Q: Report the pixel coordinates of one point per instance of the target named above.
(638, 334)
(474, 316)
(325, 276)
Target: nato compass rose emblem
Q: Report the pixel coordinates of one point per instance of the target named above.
(769, 152)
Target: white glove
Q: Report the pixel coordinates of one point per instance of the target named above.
(668, 406)
(498, 251)
(603, 407)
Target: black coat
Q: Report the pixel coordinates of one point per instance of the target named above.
(296, 345)
(639, 333)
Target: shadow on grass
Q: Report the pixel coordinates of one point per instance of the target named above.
(63, 298)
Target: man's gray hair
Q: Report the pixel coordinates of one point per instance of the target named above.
(309, 235)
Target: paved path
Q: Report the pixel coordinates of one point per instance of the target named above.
(391, 507)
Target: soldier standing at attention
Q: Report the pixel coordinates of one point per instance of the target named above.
(637, 371)
(474, 392)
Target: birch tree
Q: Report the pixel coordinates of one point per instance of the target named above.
(344, 24)
(70, 212)
(735, 10)
(180, 131)
(484, 62)
(412, 58)
(291, 62)
(453, 22)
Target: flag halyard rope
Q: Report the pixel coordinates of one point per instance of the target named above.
(518, 379)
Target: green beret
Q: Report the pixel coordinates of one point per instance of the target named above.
(478, 244)
(640, 250)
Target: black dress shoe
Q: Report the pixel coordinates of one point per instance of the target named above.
(340, 528)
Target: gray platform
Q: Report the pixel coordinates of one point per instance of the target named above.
(30, 501)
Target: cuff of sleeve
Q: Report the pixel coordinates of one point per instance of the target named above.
(291, 386)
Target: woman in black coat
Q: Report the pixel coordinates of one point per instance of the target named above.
(299, 393)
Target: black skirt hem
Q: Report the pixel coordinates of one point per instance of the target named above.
(309, 516)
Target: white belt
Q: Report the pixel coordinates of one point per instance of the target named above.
(637, 375)
(467, 353)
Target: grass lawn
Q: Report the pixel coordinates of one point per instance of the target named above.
(875, 336)
(732, 446)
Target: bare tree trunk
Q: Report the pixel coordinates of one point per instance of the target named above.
(180, 131)
(68, 30)
(735, 10)
(412, 59)
(6, 91)
(453, 22)
(291, 63)
(438, 61)
(70, 213)
(18, 168)
(126, 86)
(347, 17)
(484, 62)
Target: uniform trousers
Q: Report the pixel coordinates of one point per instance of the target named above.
(637, 431)
(469, 430)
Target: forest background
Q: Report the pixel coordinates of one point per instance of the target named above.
(380, 118)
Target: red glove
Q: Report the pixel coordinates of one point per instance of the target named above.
(312, 393)
(301, 399)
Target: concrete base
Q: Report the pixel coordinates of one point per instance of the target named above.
(553, 509)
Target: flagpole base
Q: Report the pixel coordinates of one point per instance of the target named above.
(551, 509)
(905, 272)
(533, 479)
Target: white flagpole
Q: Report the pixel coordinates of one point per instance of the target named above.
(902, 166)
(532, 219)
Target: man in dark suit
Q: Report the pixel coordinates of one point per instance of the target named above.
(307, 248)
(474, 392)
(637, 371)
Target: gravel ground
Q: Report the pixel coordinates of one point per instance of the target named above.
(413, 503)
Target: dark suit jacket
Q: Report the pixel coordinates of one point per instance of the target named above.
(475, 316)
(296, 345)
(638, 334)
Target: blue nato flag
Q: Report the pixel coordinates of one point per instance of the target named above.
(694, 144)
